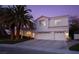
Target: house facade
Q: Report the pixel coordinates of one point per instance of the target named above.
(52, 28)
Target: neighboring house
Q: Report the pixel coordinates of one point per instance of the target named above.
(52, 28)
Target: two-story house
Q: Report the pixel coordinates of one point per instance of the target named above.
(52, 28)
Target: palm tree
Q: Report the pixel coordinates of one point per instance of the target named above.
(18, 16)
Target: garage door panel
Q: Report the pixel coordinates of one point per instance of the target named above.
(45, 36)
(51, 36)
(60, 36)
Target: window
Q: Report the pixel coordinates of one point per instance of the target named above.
(53, 22)
(57, 22)
(43, 23)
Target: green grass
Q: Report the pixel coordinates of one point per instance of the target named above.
(74, 47)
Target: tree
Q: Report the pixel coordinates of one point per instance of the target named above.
(74, 26)
(18, 16)
(3, 17)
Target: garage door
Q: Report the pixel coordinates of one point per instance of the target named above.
(60, 36)
(44, 36)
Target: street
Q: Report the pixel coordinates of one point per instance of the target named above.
(17, 50)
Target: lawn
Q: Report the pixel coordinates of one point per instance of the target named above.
(74, 47)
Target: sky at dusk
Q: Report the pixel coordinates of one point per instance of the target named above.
(54, 10)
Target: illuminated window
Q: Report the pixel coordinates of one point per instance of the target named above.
(43, 23)
(29, 33)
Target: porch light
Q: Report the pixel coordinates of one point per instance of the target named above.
(33, 35)
(67, 35)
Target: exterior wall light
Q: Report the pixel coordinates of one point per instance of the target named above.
(67, 35)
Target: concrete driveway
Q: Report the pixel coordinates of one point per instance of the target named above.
(42, 46)
(32, 47)
(48, 46)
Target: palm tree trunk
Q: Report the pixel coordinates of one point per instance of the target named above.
(22, 31)
(12, 32)
(18, 31)
(12, 35)
(21, 34)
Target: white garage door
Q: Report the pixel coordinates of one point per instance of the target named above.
(51, 36)
(60, 36)
(45, 36)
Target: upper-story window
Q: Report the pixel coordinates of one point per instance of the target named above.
(42, 23)
(57, 22)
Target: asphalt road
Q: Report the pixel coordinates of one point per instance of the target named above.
(17, 50)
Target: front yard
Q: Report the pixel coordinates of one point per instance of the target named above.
(74, 47)
(7, 40)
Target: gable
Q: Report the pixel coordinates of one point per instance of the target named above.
(41, 18)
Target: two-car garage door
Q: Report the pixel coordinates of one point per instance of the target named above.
(51, 36)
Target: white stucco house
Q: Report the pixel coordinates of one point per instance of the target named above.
(52, 28)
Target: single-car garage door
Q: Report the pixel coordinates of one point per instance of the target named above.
(60, 36)
(44, 36)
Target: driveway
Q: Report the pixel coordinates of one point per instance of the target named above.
(52, 46)
(39, 46)
(44, 44)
